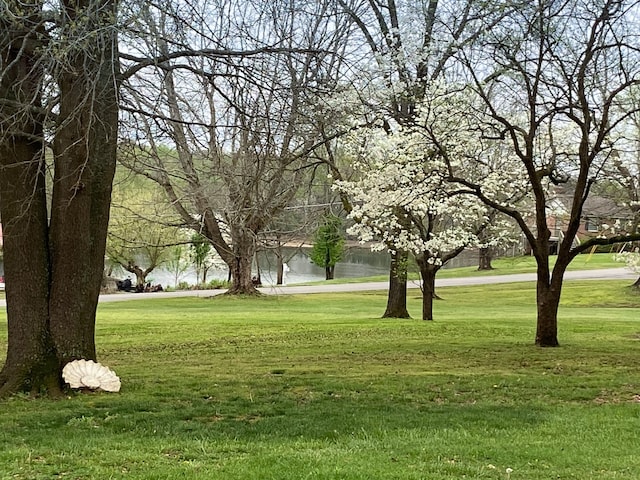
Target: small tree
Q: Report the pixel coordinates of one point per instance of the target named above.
(176, 263)
(328, 245)
(199, 251)
(403, 203)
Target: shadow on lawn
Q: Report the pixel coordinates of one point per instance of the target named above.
(349, 418)
(322, 419)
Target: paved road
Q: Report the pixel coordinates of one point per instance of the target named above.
(602, 274)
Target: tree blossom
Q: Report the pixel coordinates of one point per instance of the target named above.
(631, 259)
(402, 202)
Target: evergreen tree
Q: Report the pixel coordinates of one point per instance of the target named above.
(328, 245)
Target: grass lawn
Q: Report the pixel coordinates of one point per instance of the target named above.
(318, 387)
(501, 266)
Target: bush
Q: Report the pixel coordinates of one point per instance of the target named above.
(216, 284)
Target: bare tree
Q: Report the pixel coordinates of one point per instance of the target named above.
(227, 138)
(58, 94)
(551, 78)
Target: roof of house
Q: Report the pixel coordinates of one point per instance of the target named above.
(595, 206)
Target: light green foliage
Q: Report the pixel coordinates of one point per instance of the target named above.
(328, 243)
(142, 235)
(176, 263)
(317, 386)
(199, 251)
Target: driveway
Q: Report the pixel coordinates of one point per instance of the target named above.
(602, 274)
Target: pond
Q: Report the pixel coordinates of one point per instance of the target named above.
(357, 262)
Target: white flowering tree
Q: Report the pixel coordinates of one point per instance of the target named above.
(410, 46)
(623, 175)
(403, 203)
(448, 122)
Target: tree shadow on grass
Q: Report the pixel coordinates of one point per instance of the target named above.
(328, 417)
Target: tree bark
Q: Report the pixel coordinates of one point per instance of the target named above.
(484, 259)
(31, 362)
(329, 272)
(85, 158)
(244, 247)
(241, 281)
(428, 273)
(54, 263)
(548, 292)
(397, 295)
(548, 299)
(636, 284)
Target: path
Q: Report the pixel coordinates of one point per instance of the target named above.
(601, 274)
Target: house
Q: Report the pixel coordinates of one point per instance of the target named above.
(600, 216)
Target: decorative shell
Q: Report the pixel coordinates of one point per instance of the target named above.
(92, 375)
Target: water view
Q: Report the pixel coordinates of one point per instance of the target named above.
(357, 262)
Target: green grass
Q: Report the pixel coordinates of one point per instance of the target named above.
(501, 266)
(318, 387)
(527, 264)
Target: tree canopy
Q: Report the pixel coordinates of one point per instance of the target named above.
(328, 245)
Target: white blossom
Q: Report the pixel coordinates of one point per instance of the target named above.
(402, 200)
(631, 259)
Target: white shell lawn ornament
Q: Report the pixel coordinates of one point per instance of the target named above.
(91, 375)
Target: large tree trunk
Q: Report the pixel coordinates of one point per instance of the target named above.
(547, 324)
(54, 267)
(244, 247)
(238, 256)
(241, 280)
(548, 292)
(85, 159)
(31, 362)
(636, 283)
(548, 301)
(397, 296)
